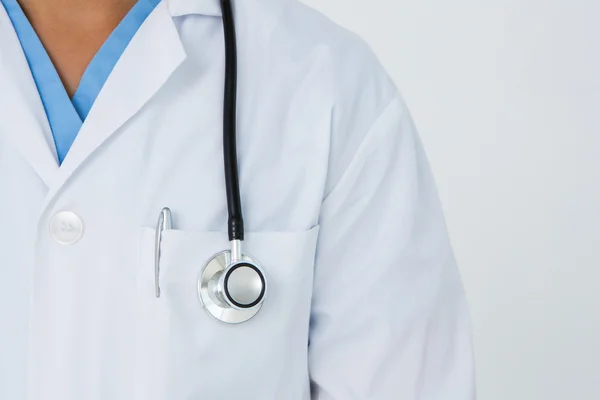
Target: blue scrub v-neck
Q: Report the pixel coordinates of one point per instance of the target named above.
(65, 115)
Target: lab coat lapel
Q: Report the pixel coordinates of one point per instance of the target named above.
(22, 116)
(151, 57)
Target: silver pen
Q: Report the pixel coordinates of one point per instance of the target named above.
(165, 221)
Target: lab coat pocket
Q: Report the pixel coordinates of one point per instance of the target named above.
(186, 353)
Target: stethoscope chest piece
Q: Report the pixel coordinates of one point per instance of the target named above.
(232, 291)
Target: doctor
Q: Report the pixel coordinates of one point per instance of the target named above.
(118, 189)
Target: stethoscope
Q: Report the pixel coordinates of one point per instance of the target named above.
(232, 286)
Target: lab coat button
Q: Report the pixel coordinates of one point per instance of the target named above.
(66, 227)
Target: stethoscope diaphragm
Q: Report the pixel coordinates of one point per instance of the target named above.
(232, 292)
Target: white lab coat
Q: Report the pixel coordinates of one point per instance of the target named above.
(365, 301)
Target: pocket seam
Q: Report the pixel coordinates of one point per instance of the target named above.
(175, 239)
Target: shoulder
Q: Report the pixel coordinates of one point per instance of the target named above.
(351, 58)
(299, 32)
(349, 74)
(361, 87)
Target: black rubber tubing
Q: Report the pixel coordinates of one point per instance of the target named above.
(234, 204)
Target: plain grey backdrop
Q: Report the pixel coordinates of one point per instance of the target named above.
(506, 96)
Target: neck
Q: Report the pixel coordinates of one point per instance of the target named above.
(74, 11)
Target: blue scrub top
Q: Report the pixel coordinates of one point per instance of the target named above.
(66, 115)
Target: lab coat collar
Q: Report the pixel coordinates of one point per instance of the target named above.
(23, 119)
(152, 56)
(203, 7)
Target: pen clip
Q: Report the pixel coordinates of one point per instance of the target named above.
(165, 221)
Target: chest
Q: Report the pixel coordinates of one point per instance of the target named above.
(154, 139)
(169, 154)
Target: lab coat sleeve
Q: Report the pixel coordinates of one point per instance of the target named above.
(389, 318)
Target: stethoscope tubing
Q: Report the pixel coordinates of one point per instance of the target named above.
(235, 222)
(231, 286)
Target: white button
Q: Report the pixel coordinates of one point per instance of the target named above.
(66, 227)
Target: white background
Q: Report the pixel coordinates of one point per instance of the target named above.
(506, 96)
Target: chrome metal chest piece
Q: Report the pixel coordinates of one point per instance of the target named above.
(232, 291)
